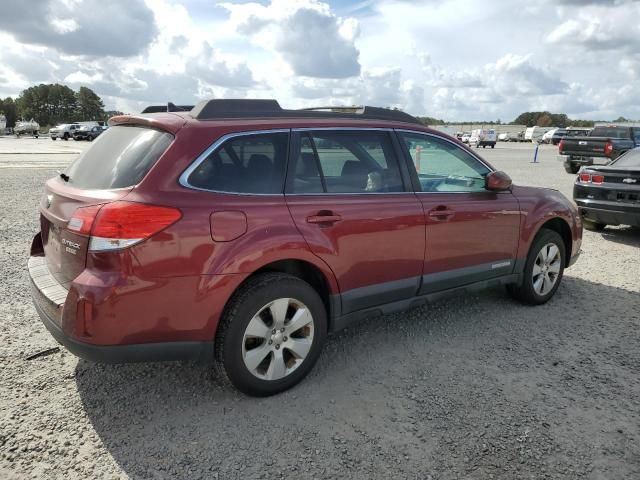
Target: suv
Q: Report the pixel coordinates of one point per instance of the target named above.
(245, 233)
(64, 131)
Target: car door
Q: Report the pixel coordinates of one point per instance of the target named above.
(472, 233)
(349, 195)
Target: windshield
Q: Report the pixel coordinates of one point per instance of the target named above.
(120, 157)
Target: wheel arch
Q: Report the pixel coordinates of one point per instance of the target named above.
(561, 226)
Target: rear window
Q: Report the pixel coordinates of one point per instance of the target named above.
(613, 132)
(119, 158)
(629, 159)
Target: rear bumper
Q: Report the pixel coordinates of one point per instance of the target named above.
(49, 298)
(609, 213)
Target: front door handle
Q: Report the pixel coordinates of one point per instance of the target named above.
(324, 218)
(441, 213)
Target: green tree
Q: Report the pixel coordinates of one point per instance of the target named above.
(9, 110)
(90, 105)
(47, 104)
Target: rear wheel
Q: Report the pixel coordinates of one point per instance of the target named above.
(543, 269)
(65, 137)
(271, 334)
(53, 138)
(572, 168)
(593, 226)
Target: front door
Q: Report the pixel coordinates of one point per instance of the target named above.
(351, 201)
(472, 233)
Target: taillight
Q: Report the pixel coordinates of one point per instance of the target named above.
(121, 224)
(608, 148)
(597, 179)
(561, 146)
(584, 178)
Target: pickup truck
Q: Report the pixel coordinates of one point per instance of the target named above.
(603, 143)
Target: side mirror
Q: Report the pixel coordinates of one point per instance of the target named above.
(497, 182)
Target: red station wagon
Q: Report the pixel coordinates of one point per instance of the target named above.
(244, 233)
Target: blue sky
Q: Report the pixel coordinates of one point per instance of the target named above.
(451, 59)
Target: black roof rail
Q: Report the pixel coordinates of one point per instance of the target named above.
(217, 109)
(169, 107)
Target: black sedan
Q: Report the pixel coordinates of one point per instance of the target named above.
(610, 194)
(88, 133)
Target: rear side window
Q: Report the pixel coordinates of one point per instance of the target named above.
(345, 162)
(613, 132)
(119, 158)
(252, 163)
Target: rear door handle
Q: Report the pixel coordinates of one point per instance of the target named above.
(441, 213)
(328, 219)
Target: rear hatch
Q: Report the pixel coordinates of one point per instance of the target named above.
(114, 164)
(618, 184)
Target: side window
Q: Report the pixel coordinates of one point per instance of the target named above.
(245, 164)
(443, 166)
(360, 161)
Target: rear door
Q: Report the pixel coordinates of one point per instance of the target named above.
(350, 200)
(472, 233)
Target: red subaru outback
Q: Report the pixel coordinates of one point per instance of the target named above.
(243, 232)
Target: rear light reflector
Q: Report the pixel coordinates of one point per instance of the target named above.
(561, 146)
(597, 179)
(608, 148)
(121, 224)
(82, 219)
(584, 178)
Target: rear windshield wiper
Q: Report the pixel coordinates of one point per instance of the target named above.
(64, 176)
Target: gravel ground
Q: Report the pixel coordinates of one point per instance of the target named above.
(473, 387)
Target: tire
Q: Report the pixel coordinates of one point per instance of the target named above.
(572, 168)
(593, 226)
(234, 343)
(53, 138)
(530, 291)
(493, 146)
(65, 137)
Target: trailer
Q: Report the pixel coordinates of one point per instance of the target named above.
(27, 128)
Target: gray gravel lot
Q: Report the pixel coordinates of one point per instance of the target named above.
(474, 387)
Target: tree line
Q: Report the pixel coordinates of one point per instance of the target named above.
(532, 119)
(50, 104)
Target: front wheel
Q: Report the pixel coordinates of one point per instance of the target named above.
(271, 334)
(543, 269)
(65, 137)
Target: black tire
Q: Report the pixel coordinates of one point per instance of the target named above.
(572, 168)
(525, 291)
(65, 137)
(53, 138)
(247, 302)
(593, 226)
(493, 146)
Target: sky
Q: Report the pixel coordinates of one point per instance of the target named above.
(450, 59)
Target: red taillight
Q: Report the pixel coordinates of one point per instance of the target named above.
(608, 148)
(597, 179)
(585, 177)
(121, 224)
(561, 146)
(82, 219)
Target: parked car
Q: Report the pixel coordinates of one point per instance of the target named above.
(560, 133)
(27, 128)
(243, 241)
(604, 143)
(64, 131)
(610, 194)
(86, 132)
(503, 137)
(465, 137)
(535, 134)
(546, 137)
(483, 137)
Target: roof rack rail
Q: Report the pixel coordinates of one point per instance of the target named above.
(217, 109)
(169, 107)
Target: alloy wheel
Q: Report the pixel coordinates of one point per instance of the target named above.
(546, 269)
(278, 339)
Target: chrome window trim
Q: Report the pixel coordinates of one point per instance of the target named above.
(184, 177)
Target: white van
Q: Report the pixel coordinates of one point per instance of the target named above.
(483, 138)
(535, 134)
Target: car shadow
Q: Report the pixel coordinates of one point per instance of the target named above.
(624, 235)
(175, 420)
